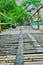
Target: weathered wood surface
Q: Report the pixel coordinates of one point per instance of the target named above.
(19, 60)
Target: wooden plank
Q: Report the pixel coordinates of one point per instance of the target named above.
(19, 56)
(4, 23)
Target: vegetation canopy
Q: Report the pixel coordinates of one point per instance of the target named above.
(19, 14)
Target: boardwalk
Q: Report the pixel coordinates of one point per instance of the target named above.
(32, 41)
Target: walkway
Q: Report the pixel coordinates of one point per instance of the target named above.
(32, 41)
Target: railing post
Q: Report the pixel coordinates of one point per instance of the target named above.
(0, 22)
(19, 56)
(11, 24)
(38, 17)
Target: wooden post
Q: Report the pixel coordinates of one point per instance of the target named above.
(0, 24)
(38, 25)
(38, 17)
(11, 24)
(0, 28)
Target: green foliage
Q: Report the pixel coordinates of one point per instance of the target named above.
(5, 26)
(18, 15)
(29, 2)
(10, 9)
(35, 3)
(7, 5)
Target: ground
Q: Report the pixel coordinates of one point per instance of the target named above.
(32, 37)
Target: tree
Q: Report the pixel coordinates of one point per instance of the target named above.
(10, 9)
(29, 2)
(6, 7)
(31, 5)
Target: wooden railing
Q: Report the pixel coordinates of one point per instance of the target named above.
(4, 24)
(38, 16)
(1, 14)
